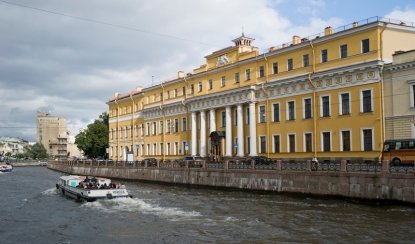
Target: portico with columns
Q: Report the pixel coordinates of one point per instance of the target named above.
(233, 101)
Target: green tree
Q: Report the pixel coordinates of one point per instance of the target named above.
(93, 141)
(37, 151)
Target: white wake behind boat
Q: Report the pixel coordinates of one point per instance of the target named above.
(87, 188)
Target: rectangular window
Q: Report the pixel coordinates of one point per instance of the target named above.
(161, 96)
(148, 150)
(200, 86)
(160, 127)
(276, 112)
(306, 61)
(183, 91)
(168, 126)
(308, 137)
(223, 119)
(236, 77)
(325, 106)
(365, 46)
(154, 128)
(168, 94)
(168, 148)
(210, 84)
(176, 125)
(175, 92)
(307, 108)
(248, 74)
(326, 137)
(184, 124)
(261, 71)
(291, 143)
(344, 103)
(345, 141)
(291, 110)
(367, 101)
(277, 144)
(412, 95)
(275, 68)
(223, 81)
(262, 144)
(184, 147)
(176, 148)
(367, 140)
(148, 129)
(289, 64)
(154, 149)
(343, 51)
(161, 148)
(192, 89)
(262, 114)
(324, 56)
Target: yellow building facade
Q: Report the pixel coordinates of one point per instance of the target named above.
(315, 97)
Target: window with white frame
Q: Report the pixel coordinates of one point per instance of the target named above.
(168, 126)
(343, 51)
(176, 125)
(262, 144)
(223, 81)
(344, 105)
(308, 142)
(261, 71)
(184, 124)
(200, 86)
(324, 56)
(276, 112)
(184, 147)
(210, 84)
(275, 68)
(412, 94)
(365, 46)
(367, 139)
(148, 150)
(289, 64)
(247, 74)
(307, 108)
(161, 148)
(366, 101)
(176, 148)
(326, 141)
(154, 128)
(325, 106)
(236, 78)
(168, 152)
(291, 142)
(306, 60)
(154, 149)
(276, 142)
(261, 113)
(161, 127)
(148, 129)
(345, 140)
(291, 110)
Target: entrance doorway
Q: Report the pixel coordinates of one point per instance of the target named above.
(217, 143)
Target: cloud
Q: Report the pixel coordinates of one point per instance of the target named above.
(407, 15)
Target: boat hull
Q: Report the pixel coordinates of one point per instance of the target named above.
(91, 195)
(6, 168)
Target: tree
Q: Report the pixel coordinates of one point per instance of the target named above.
(37, 151)
(93, 141)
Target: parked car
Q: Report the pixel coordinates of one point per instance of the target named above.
(151, 162)
(261, 160)
(194, 161)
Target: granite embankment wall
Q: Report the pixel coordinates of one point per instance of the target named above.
(382, 185)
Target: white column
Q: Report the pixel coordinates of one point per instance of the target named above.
(212, 120)
(228, 132)
(252, 130)
(202, 133)
(240, 130)
(194, 135)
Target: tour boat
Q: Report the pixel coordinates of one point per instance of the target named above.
(5, 168)
(89, 188)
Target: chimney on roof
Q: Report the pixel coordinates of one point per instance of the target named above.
(116, 95)
(180, 74)
(355, 24)
(139, 89)
(328, 30)
(296, 40)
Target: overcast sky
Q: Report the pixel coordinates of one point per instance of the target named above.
(69, 57)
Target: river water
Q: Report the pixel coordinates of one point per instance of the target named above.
(33, 212)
